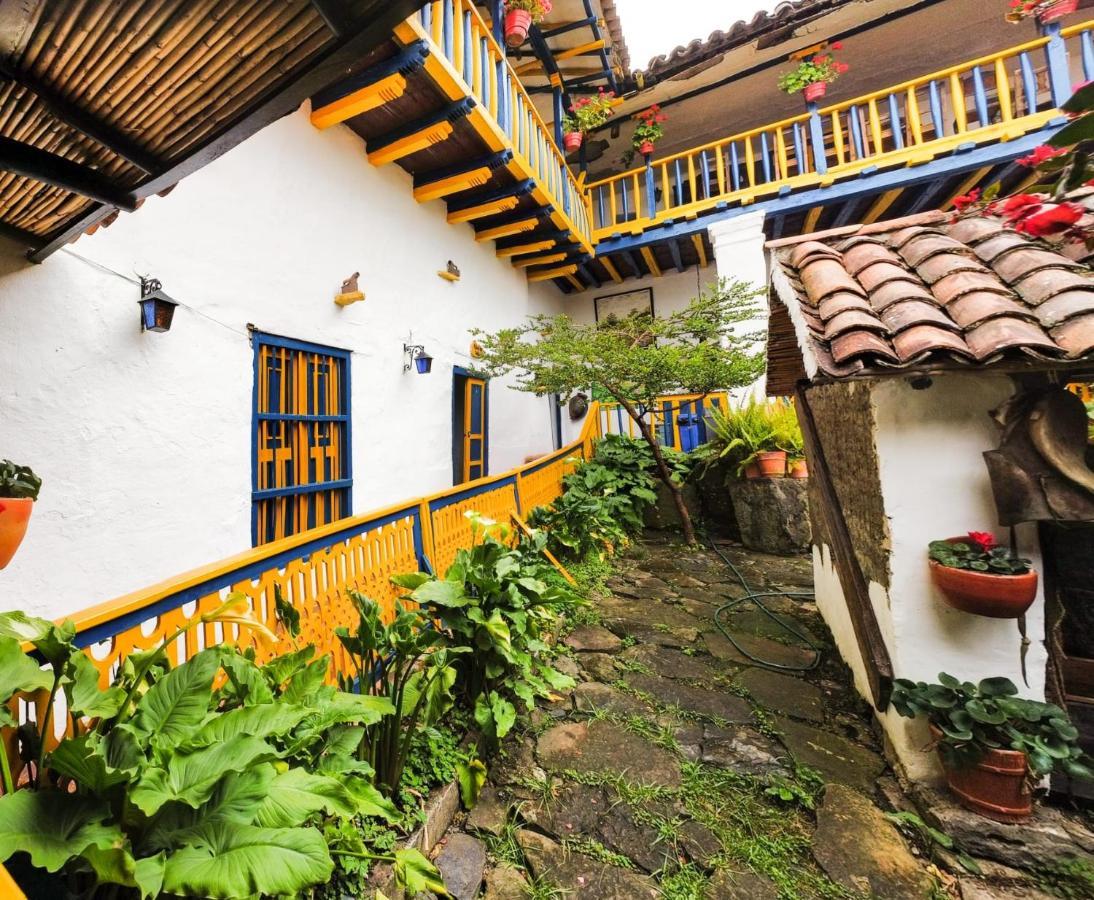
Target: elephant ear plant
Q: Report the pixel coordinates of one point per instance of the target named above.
(498, 602)
(166, 785)
(975, 718)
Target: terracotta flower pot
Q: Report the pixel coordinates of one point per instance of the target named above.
(1057, 10)
(753, 472)
(14, 518)
(572, 141)
(997, 787)
(984, 594)
(517, 23)
(772, 464)
(813, 92)
(799, 469)
(645, 148)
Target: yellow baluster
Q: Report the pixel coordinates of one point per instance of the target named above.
(875, 128)
(915, 124)
(1002, 90)
(837, 138)
(957, 97)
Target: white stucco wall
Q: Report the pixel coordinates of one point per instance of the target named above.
(935, 485)
(143, 440)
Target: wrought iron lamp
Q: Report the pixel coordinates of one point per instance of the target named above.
(415, 353)
(157, 309)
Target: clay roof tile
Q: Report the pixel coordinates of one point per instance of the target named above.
(1076, 336)
(855, 344)
(850, 320)
(937, 267)
(897, 290)
(924, 246)
(841, 302)
(922, 339)
(866, 253)
(899, 238)
(1039, 286)
(975, 307)
(823, 277)
(907, 313)
(1022, 262)
(873, 276)
(974, 229)
(959, 283)
(1003, 242)
(1064, 306)
(1007, 333)
(808, 250)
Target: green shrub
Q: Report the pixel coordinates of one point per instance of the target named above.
(741, 434)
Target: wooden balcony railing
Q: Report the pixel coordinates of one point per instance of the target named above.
(994, 98)
(671, 417)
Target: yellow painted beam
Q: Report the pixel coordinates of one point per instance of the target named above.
(539, 260)
(966, 186)
(811, 219)
(412, 143)
(368, 98)
(577, 284)
(522, 249)
(651, 261)
(500, 231)
(548, 274)
(503, 204)
(700, 248)
(877, 209)
(569, 53)
(443, 187)
(612, 270)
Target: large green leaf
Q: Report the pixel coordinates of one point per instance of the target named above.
(176, 704)
(53, 827)
(449, 594)
(18, 672)
(191, 777)
(115, 865)
(84, 759)
(416, 874)
(82, 691)
(296, 795)
(239, 861)
(255, 721)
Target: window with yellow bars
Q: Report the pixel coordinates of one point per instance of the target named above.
(302, 472)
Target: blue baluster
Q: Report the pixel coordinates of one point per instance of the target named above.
(706, 175)
(1086, 42)
(565, 188)
(600, 205)
(485, 69)
(468, 49)
(856, 132)
(980, 97)
(651, 194)
(734, 164)
(816, 135)
(427, 18)
(936, 111)
(1056, 56)
(626, 210)
(765, 152)
(1029, 82)
(799, 149)
(678, 188)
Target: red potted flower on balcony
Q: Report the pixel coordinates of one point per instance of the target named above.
(521, 15)
(19, 488)
(977, 575)
(586, 114)
(813, 75)
(650, 129)
(1044, 11)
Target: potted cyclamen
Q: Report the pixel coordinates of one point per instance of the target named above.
(977, 575)
(586, 113)
(993, 745)
(19, 488)
(520, 16)
(1044, 11)
(650, 129)
(813, 75)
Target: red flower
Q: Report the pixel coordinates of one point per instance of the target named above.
(966, 200)
(841, 67)
(1020, 205)
(985, 540)
(819, 60)
(836, 45)
(1050, 219)
(1040, 155)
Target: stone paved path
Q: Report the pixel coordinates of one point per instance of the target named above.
(678, 768)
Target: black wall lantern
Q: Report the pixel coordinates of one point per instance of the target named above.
(157, 309)
(423, 362)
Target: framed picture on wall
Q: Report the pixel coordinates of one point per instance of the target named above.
(619, 306)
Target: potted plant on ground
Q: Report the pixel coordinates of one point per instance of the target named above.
(520, 16)
(19, 488)
(650, 129)
(813, 75)
(993, 745)
(1045, 11)
(979, 576)
(586, 113)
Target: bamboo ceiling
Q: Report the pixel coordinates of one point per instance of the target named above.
(126, 89)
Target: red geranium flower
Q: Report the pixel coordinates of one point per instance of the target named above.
(1040, 155)
(1020, 205)
(1050, 219)
(985, 540)
(836, 45)
(966, 200)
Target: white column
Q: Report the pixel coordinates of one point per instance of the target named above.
(739, 255)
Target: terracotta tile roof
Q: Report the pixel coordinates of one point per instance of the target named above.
(927, 291)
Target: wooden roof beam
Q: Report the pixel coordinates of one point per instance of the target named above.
(48, 168)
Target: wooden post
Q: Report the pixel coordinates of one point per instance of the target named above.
(1056, 56)
(651, 195)
(816, 139)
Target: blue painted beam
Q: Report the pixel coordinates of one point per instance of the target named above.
(478, 199)
(407, 61)
(587, 276)
(677, 256)
(853, 189)
(851, 209)
(629, 259)
(453, 112)
(493, 162)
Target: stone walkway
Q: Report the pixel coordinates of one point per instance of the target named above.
(678, 768)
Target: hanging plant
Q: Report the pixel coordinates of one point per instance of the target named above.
(19, 488)
(520, 16)
(977, 575)
(813, 75)
(586, 113)
(1044, 11)
(650, 129)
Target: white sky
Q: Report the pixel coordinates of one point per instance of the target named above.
(653, 27)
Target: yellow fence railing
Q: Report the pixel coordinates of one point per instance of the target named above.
(679, 420)
(994, 98)
(313, 571)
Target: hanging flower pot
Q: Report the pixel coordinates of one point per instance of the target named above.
(571, 140)
(813, 75)
(1056, 9)
(517, 23)
(772, 463)
(799, 469)
(19, 488)
(649, 130)
(815, 91)
(646, 148)
(978, 576)
(996, 787)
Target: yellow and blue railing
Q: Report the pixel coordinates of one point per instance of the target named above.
(995, 98)
(679, 420)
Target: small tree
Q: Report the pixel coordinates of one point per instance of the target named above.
(637, 359)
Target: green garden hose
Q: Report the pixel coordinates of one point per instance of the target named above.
(756, 598)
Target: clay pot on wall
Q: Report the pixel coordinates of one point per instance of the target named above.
(517, 23)
(14, 518)
(799, 469)
(772, 463)
(984, 594)
(997, 787)
(753, 471)
(815, 91)
(1057, 10)
(572, 140)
